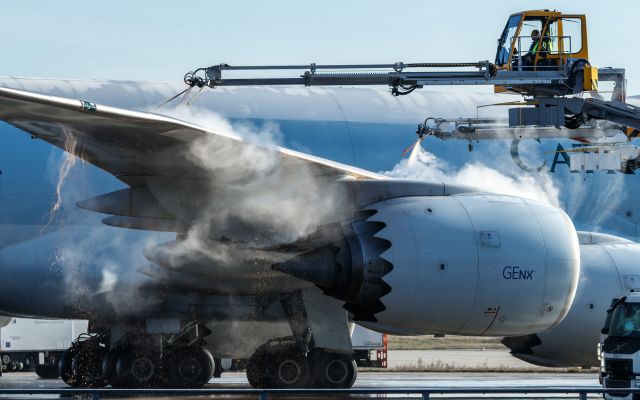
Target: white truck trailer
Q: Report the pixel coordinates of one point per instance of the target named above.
(37, 344)
(369, 347)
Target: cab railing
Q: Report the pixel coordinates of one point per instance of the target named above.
(554, 49)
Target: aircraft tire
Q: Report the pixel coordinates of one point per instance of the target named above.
(217, 369)
(87, 365)
(70, 375)
(64, 366)
(334, 371)
(258, 373)
(50, 371)
(139, 368)
(188, 367)
(81, 364)
(290, 370)
(109, 369)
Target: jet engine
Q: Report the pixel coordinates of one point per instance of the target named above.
(471, 264)
(609, 269)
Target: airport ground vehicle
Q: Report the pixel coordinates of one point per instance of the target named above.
(37, 344)
(369, 347)
(549, 76)
(620, 346)
(557, 66)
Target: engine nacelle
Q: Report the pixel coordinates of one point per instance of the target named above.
(609, 269)
(471, 264)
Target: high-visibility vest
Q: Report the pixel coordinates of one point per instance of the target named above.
(545, 46)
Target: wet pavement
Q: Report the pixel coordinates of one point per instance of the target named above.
(366, 380)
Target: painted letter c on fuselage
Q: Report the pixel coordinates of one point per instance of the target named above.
(515, 155)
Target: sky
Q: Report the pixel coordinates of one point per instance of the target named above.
(160, 40)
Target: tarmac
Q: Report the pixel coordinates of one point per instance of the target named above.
(391, 380)
(456, 359)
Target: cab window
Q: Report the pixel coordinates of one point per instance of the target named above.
(525, 41)
(572, 35)
(625, 321)
(505, 41)
(552, 37)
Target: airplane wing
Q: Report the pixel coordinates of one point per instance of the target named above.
(171, 168)
(130, 144)
(175, 170)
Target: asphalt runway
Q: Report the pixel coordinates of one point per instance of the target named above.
(391, 380)
(235, 380)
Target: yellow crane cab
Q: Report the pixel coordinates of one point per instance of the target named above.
(542, 40)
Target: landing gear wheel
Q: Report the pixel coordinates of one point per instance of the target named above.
(290, 370)
(88, 364)
(217, 369)
(64, 366)
(109, 369)
(258, 371)
(47, 371)
(140, 368)
(334, 370)
(81, 364)
(188, 367)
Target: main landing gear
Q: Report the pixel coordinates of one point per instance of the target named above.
(134, 364)
(298, 361)
(279, 364)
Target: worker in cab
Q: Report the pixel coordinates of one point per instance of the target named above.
(631, 321)
(538, 47)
